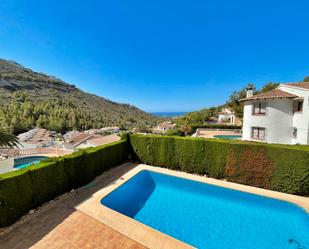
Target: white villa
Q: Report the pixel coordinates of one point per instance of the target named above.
(227, 116)
(278, 116)
(164, 127)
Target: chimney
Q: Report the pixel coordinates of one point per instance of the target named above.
(249, 89)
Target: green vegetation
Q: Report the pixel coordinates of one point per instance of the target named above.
(30, 99)
(24, 189)
(234, 100)
(7, 140)
(277, 167)
(280, 168)
(186, 123)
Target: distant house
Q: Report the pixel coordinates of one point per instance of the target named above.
(77, 139)
(227, 116)
(92, 131)
(36, 138)
(164, 127)
(85, 140)
(98, 141)
(70, 134)
(278, 116)
(113, 129)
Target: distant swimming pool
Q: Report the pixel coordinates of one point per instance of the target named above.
(208, 216)
(23, 162)
(228, 136)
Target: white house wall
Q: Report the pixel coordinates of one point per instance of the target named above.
(278, 121)
(301, 119)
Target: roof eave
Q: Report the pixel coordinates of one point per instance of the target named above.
(294, 87)
(251, 99)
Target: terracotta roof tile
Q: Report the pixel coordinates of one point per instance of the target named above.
(304, 85)
(275, 93)
(78, 139)
(104, 140)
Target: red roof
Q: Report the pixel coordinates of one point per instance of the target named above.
(274, 93)
(100, 140)
(78, 139)
(304, 85)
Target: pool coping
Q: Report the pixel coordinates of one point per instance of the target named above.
(150, 237)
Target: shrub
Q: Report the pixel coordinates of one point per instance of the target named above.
(24, 189)
(173, 132)
(284, 169)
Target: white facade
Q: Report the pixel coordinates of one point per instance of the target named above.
(227, 118)
(280, 123)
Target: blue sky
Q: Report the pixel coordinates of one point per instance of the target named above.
(159, 55)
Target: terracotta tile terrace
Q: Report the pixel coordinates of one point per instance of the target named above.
(59, 225)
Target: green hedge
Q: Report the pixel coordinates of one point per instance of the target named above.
(281, 168)
(261, 165)
(27, 188)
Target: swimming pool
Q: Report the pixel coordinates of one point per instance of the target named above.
(23, 162)
(208, 216)
(228, 136)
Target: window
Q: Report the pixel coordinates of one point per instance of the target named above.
(294, 132)
(258, 133)
(298, 106)
(259, 108)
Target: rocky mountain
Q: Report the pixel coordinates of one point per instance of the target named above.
(29, 99)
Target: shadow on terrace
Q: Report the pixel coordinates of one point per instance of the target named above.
(35, 229)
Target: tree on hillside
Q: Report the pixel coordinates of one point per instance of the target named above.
(184, 125)
(306, 79)
(234, 101)
(237, 106)
(269, 86)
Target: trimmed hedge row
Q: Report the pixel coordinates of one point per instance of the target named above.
(261, 165)
(27, 188)
(284, 169)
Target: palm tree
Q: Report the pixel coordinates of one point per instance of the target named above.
(185, 126)
(8, 140)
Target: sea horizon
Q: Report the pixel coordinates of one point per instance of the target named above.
(168, 114)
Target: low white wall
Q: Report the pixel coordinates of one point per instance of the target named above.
(6, 165)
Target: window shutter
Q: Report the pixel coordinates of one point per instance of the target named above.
(295, 105)
(261, 134)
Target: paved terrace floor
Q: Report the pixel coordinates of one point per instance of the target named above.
(58, 224)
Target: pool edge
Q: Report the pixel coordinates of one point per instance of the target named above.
(150, 237)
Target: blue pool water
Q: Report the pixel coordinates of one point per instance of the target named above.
(23, 162)
(228, 136)
(207, 216)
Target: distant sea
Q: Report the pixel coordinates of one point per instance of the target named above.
(168, 114)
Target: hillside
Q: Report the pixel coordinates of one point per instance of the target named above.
(31, 99)
(206, 115)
